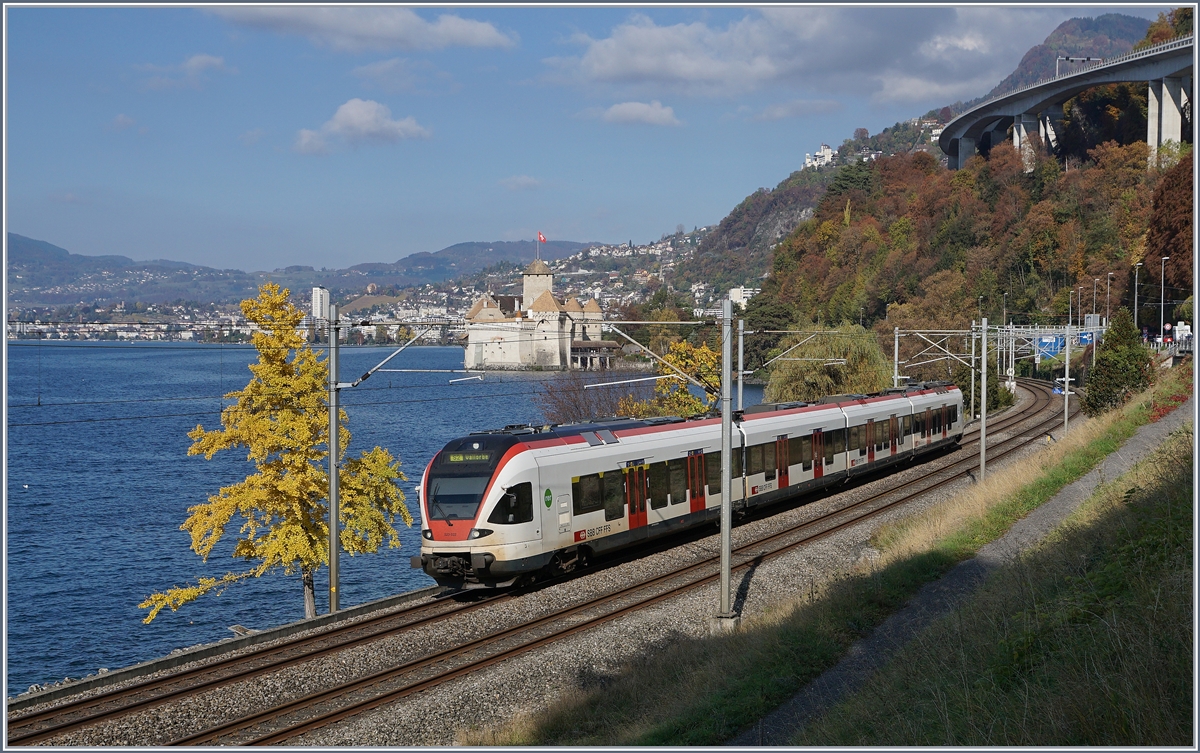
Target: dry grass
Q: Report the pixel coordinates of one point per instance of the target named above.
(923, 531)
(1085, 641)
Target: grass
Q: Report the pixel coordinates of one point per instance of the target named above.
(1086, 641)
(702, 691)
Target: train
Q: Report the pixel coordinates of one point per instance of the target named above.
(505, 507)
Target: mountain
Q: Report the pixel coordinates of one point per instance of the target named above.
(738, 251)
(1101, 37)
(466, 258)
(42, 274)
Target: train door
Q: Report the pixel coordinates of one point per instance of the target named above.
(781, 459)
(696, 476)
(927, 427)
(894, 432)
(870, 440)
(944, 427)
(818, 450)
(636, 492)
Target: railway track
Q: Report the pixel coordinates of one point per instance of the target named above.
(294, 717)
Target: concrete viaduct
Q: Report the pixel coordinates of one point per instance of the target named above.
(1038, 108)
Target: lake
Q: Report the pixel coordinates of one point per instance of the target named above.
(99, 481)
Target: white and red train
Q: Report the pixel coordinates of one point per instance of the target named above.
(502, 506)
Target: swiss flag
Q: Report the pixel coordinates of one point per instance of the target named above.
(541, 237)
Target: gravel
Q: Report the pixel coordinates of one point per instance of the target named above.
(531, 682)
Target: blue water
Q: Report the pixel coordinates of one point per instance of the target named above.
(99, 481)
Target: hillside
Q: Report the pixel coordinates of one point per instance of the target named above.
(42, 274)
(738, 251)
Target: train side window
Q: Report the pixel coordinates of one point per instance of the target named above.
(754, 459)
(806, 452)
(585, 494)
(516, 506)
(677, 473)
(712, 468)
(853, 438)
(658, 485)
(863, 439)
(736, 472)
(908, 425)
(614, 495)
(880, 434)
(837, 440)
(769, 460)
(953, 414)
(794, 450)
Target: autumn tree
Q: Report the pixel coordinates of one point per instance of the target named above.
(838, 360)
(577, 395)
(282, 420)
(1171, 226)
(671, 395)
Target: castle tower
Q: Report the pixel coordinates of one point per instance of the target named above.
(538, 279)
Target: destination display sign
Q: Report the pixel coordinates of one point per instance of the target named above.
(470, 457)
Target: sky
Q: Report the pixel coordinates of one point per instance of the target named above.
(255, 138)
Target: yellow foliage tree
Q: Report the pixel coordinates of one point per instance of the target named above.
(282, 419)
(672, 397)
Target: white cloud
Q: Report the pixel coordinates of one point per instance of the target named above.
(249, 138)
(799, 108)
(310, 142)
(400, 75)
(188, 74)
(521, 183)
(846, 50)
(122, 121)
(355, 29)
(197, 64)
(639, 112)
(360, 121)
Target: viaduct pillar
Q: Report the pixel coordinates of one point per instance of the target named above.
(1164, 113)
(966, 150)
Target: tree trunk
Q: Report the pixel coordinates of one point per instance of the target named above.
(310, 597)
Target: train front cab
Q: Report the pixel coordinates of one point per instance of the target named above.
(481, 525)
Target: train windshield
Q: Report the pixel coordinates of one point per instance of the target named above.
(460, 474)
(456, 498)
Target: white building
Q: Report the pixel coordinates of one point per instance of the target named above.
(535, 330)
(320, 303)
(740, 296)
(824, 156)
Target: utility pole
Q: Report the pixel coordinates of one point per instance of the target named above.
(334, 543)
(741, 359)
(896, 357)
(1162, 311)
(1136, 270)
(974, 371)
(1108, 299)
(726, 618)
(1067, 381)
(983, 407)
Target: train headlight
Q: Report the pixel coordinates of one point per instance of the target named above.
(479, 533)
(426, 533)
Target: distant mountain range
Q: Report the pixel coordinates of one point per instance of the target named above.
(42, 274)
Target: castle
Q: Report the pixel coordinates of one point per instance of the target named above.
(535, 330)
